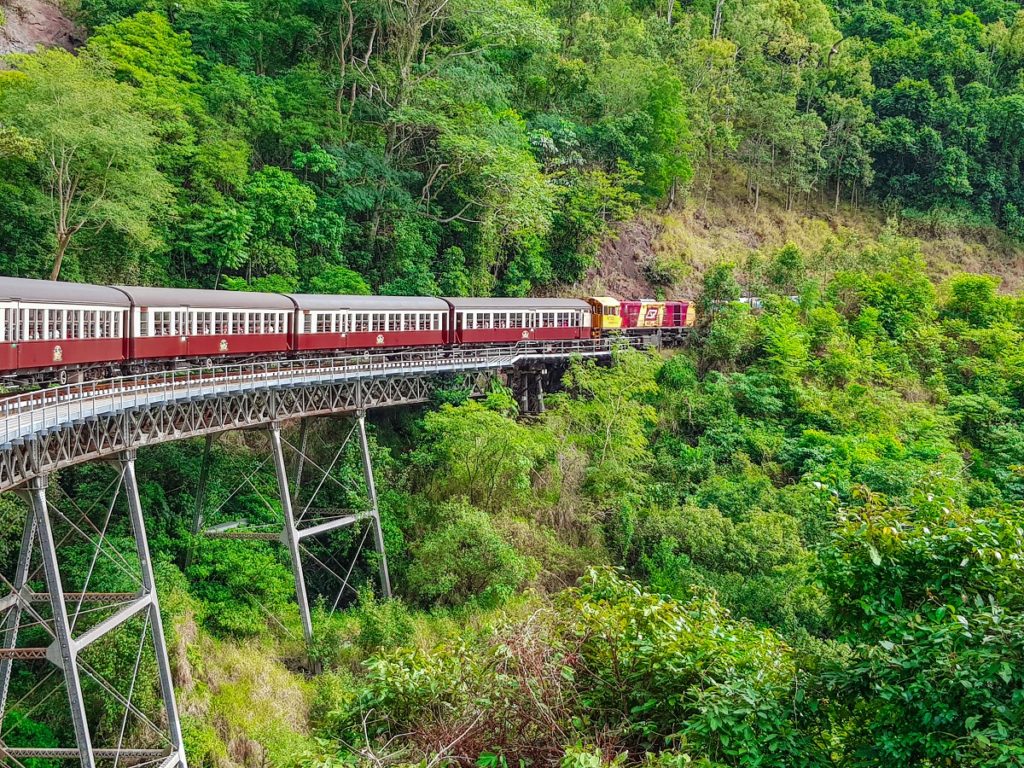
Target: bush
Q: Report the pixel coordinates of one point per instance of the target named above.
(464, 558)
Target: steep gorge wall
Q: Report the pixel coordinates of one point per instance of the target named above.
(28, 24)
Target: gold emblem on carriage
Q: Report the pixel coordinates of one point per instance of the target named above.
(223, 345)
(526, 334)
(380, 338)
(58, 354)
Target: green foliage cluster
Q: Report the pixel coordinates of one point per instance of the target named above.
(822, 500)
(796, 542)
(468, 148)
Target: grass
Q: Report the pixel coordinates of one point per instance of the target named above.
(688, 240)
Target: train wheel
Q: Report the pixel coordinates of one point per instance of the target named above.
(208, 362)
(62, 376)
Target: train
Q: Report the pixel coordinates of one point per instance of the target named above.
(59, 332)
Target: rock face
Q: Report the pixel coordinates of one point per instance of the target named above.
(27, 24)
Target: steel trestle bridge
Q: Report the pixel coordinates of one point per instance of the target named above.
(47, 430)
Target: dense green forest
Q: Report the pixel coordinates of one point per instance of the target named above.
(457, 146)
(796, 541)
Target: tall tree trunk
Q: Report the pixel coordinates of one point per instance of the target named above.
(62, 245)
(716, 27)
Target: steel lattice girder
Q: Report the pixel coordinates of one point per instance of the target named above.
(97, 437)
(51, 429)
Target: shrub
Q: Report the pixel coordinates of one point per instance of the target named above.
(464, 558)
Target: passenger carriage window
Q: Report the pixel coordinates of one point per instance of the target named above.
(35, 324)
(501, 320)
(323, 322)
(221, 323)
(16, 325)
(394, 321)
(237, 322)
(378, 321)
(55, 326)
(515, 320)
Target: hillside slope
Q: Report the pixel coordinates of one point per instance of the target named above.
(668, 251)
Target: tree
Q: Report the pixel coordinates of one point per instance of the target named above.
(96, 151)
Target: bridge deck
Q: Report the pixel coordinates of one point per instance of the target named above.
(45, 430)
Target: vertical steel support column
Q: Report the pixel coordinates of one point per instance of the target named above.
(290, 533)
(200, 500)
(300, 458)
(13, 624)
(163, 664)
(63, 651)
(371, 489)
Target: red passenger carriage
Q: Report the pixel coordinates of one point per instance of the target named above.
(62, 327)
(180, 323)
(491, 321)
(369, 322)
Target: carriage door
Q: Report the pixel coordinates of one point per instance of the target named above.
(531, 323)
(12, 336)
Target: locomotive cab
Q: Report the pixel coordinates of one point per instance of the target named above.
(607, 313)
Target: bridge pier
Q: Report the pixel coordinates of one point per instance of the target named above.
(302, 520)
(290, 534)
(67, 616)
(293, 534)
(527, 385)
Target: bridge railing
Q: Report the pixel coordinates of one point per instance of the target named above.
(26, 413)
